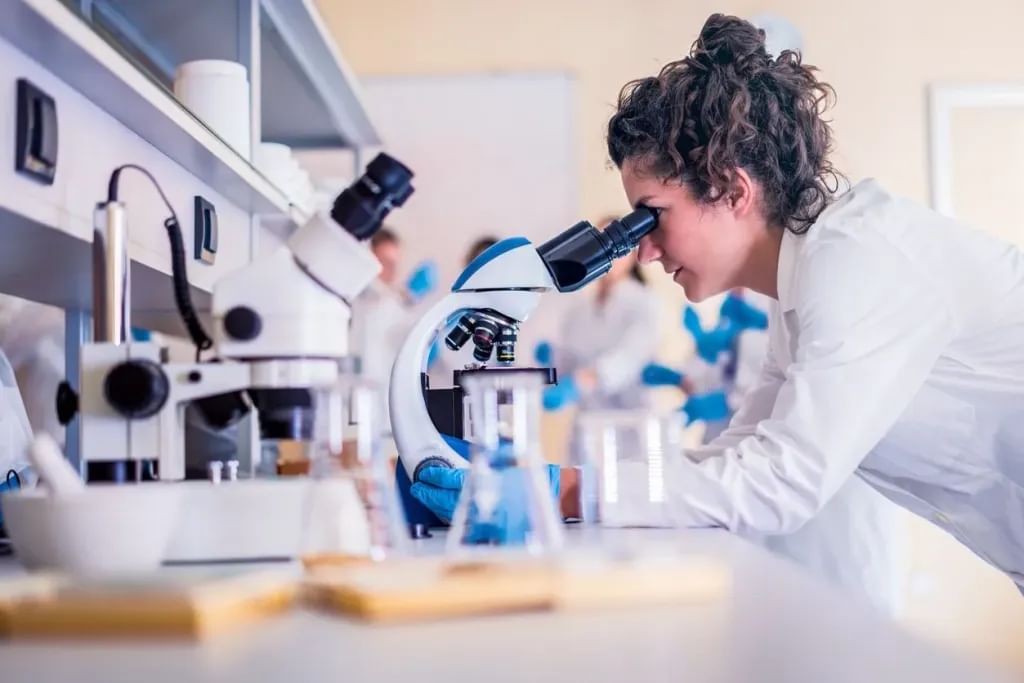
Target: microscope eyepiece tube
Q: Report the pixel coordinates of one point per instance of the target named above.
(583, 253)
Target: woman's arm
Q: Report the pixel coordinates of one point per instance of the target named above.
(868, 329)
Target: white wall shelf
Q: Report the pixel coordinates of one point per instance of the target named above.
(309, 96)
(58, 39)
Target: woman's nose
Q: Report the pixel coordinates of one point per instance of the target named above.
(647, 251)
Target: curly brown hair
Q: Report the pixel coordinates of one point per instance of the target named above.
(729, 105)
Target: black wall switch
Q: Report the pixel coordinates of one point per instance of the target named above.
(35, 148)
(206, 231)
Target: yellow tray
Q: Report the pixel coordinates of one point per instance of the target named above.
(191, 603)
(429, 588)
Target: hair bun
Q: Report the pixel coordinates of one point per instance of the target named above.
(731, 41)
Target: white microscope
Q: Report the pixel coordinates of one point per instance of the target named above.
(493, 296)
(280, 330)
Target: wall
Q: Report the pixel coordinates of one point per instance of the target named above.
(879, 55)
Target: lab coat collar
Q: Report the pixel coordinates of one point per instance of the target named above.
(788, 253)
(793, 244)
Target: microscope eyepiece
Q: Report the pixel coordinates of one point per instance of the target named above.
(583, 253)
(363, 205)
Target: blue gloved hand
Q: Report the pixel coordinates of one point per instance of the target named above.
(655, 375)
(439, 488)
(542, 353)
(742, 315)
(716, 341)
(708, 407)
(713, 342)
(560, 395)
(422, 281)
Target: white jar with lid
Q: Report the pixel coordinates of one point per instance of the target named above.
(217, 92)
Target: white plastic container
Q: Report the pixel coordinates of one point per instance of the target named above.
(102, 529)
(217, 92)
(276, 162)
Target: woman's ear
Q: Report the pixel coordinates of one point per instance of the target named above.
(741, 194)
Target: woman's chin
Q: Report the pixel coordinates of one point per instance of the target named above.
(691, 286)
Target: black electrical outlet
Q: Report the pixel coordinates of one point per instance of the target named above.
(35, 148)
(206, 231)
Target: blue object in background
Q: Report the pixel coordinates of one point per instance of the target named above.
(560, 395)
(656, 375)
(141, 335)
(708, 407)
(712, 342)
(543, 354)
(742, 314)
(422, 281)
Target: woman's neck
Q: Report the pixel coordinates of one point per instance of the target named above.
(761, 271)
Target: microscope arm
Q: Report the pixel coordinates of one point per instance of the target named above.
(416, 436)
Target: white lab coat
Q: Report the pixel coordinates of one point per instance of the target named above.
(15, 430)
(896, 354)
(858, 540)
(32, 337)
(381, 321)
(616, 339)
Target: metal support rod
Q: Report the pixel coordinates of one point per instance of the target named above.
(111, 283)
(249, 55)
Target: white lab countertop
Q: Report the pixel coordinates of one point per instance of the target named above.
(778, 625)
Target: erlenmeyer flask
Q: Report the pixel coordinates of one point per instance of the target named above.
(506, 499)
(353, 508)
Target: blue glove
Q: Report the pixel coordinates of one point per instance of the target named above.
(141, 335)
(422, 281)
(655, 375)
(713, 342)
(439, 488)
(691, 321)
(560, 395)
(742, 314)
(716, 341)
(708, 407)
(542, 353)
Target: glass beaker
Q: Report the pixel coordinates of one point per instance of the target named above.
(507, 498)
(625, 457)
(353, 509)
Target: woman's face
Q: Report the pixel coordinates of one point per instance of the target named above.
(702, 246)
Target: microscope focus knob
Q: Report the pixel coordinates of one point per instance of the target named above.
(243, 323)
(136, 388)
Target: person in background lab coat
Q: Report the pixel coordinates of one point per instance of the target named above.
(894, 343)
(32, 337)
(607, 336)
(383, 314)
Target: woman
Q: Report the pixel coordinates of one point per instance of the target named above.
(895, 340)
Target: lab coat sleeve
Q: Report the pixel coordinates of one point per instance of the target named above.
(868, 328)
(620, 368)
